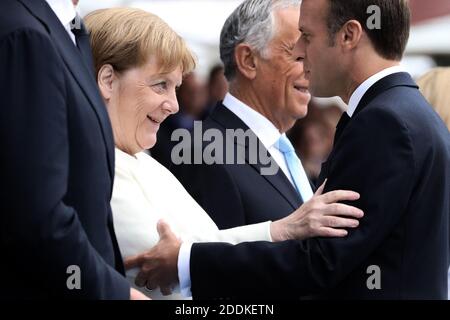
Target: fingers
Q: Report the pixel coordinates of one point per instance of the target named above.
(166, 291)
(164, 230)
(159, 265)
(340, 195)
(330, 232)
(150, 286)
(141, 280)
(133, 262)
(340, 209)
(332, 226)
(320, 190)
(337, 222)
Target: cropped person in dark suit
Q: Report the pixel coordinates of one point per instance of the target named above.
(57, 238)
(390, 146)
(267, 95)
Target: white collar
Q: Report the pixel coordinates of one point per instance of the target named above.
(123, 157)
(265, 130)
(64, 10)
(358, 94)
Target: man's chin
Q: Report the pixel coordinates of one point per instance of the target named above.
(302, 111)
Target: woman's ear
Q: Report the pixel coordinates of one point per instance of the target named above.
(245, 60)
(105, 80)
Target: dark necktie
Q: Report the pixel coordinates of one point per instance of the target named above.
(82, 39)
(343, 121)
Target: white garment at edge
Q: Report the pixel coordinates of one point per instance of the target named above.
(65, 11)
(144, 192)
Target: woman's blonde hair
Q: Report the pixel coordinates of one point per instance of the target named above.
(435, 86)
(127, 38)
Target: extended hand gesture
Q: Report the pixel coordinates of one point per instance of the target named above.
(159, 264)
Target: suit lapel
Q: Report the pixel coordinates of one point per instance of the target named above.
(391, 81)
(78, 68)
(82, 37)
(279, 181)
(228, 120)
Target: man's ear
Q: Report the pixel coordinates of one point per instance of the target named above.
(105, 80)
(350, 35)
(245, 60)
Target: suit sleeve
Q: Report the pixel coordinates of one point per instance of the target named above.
(378, 163)
(215, 190)
(43, 235)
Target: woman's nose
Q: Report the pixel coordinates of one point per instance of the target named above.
(171, 104)
(175, 106)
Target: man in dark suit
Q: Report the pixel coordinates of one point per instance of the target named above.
(266, 96)
(57, 238)
(390, 146)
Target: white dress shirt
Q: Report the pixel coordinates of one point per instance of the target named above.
(144, 192)
(65, 11)
(357, 95)
(268, 134)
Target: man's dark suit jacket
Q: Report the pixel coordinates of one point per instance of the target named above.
(237, 194)
(57, 164)
(395, 151)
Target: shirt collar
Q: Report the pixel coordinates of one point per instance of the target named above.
(125, 163)
(356, 97)
(64, 10)
(265, 130)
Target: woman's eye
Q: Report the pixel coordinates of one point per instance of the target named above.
(160, 87)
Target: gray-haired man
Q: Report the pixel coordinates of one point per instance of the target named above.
(267, 95)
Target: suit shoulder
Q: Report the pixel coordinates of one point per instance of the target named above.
(378, 117)
(15, 18)
(401, 100)
(27, 44)
(408, 107)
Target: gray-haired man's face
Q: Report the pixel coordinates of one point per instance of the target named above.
(280, 80)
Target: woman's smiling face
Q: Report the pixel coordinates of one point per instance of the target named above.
(139, 100)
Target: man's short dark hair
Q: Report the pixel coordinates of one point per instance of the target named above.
(390, 40)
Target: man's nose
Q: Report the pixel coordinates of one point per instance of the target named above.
(301, 47)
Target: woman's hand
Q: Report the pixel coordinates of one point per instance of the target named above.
(321, 216)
